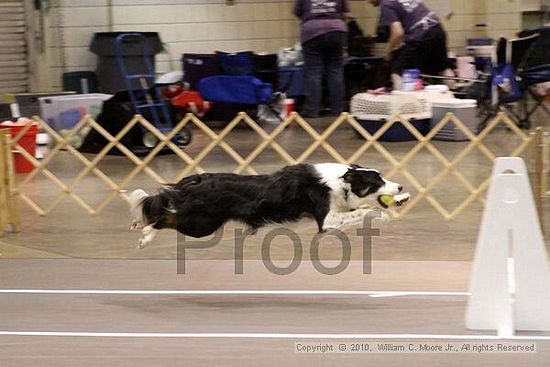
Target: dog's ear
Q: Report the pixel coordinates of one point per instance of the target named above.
(363, 182)
(349, 175)
(168, 186)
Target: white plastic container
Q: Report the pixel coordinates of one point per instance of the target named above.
(464, 109)
(64, 112)
(372, 111)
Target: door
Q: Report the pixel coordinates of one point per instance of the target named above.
(14, 73)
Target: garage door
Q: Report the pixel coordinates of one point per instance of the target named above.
(13, 47)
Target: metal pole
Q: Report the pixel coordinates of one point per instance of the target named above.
(537, 178)
(110, 15)
(3, 186)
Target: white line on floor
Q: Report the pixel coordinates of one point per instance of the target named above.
(234, 292)
(272, 336)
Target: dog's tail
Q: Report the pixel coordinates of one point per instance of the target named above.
(124, 195)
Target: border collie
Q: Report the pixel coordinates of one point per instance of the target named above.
(198, 205)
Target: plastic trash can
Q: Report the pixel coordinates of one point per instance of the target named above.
(27, 142)
(108, 72)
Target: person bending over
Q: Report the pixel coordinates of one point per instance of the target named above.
(417, 38)
(323, 33)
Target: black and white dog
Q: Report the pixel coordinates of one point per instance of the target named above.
(200, 204)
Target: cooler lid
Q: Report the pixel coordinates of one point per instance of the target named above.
(454, 103)
(19, 124)
(75, 97)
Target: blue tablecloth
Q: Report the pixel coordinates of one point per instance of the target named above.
(290, 80)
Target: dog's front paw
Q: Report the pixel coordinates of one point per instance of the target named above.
(142, 243)
(401, 199)
(136, 225)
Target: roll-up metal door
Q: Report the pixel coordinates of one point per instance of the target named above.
(13, 47)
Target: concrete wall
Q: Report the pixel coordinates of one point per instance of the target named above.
(208, 25)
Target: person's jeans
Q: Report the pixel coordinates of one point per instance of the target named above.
(323, 57)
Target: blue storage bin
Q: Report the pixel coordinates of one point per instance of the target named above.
(235, 89)
(238, 63)
(397, 132)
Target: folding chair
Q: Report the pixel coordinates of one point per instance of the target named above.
(503, 98)
(516, 53)
(536, 70)
(493, 98)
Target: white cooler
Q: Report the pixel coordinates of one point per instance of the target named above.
(464, 109)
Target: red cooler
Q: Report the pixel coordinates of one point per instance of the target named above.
(27, 142)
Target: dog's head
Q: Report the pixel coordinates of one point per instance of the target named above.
(136, 199)
(369, 183)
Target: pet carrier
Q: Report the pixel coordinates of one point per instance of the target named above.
(372, 112)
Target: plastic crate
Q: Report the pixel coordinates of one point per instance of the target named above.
(64, 112)
(372, 112)
(397, 132)
(368, 106)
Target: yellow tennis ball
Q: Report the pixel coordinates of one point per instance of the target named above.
(387, 199)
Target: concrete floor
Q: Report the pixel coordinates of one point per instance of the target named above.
(69, 249)
(260, 329)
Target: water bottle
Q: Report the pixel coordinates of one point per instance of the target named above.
(410, 78)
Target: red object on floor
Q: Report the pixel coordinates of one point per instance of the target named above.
(289, 106)
(27, 142)
(192, 101)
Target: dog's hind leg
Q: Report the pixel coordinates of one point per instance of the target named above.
(320, 217)
(149, 233)
(339, 220)
(250, 231)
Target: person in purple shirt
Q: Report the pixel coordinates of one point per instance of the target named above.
(323, 34)
(417, 39)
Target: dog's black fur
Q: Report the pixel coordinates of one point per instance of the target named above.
(200, 204)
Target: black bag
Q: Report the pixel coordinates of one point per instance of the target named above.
(265, 68)
(358, 44)
(115, 114)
